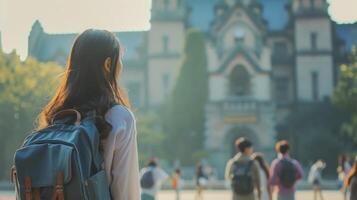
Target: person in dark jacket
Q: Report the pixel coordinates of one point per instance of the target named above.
(201, 181)
(351, 181)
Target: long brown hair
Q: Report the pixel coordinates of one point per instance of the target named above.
(351, 174)
(259, 158)
(86, 84)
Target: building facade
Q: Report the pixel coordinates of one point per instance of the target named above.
(263, 57)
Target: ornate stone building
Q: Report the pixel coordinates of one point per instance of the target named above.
(263, 56)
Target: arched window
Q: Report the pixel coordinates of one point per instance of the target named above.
(239, 81)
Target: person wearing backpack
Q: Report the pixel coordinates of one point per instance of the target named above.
(285, 172)
(243, 172)
(152, 177)
(85, 146)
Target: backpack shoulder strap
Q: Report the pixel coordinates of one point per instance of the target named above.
(65, 113)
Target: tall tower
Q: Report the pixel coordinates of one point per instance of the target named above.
(34, 39)
(313, 47)
(165, 43)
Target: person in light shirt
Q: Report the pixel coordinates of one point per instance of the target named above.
(156, 176)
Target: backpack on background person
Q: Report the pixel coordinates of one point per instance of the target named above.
(62, 161)
(242, 181)
(288, 173)
(147, 180)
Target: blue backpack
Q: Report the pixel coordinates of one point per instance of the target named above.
(147, 180)
(62, 161)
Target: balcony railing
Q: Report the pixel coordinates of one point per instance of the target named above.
(240, 106)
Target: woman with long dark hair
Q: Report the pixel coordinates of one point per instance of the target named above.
(343, 170)
(266, 193)
(90, 82)
(351, 181)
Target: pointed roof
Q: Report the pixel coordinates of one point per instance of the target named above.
(48, 45)
(202, 13)
(37, 25)
(239, 50)
(257, 19)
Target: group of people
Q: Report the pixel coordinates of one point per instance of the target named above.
(249, 174)
(252, 179)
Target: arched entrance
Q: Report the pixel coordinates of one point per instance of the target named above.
(238, 132)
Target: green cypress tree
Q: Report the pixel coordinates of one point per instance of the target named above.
(186, 108)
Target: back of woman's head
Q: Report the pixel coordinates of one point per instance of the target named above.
(90, 78)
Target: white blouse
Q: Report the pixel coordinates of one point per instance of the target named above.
(121, 155)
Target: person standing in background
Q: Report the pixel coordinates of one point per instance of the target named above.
(351, 181)
(201, 181)
(243, 172)
(285, 171)
(315, 178)
(152, 177)
(343, 170)
(264, 176)
(176, 182)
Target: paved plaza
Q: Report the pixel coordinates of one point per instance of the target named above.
(213, 195)
(222, 195)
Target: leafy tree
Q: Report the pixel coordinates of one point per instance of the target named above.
(314, 133)
(345, 95)
(185, 112)
(24, 88)
(150, 137)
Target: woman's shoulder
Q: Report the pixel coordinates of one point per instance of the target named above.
(119, 115)
(119, 111)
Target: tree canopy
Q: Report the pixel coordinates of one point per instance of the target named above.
(185, 112)
(24, 88)
(345, 95)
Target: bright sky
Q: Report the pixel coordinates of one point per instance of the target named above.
(60, 16)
